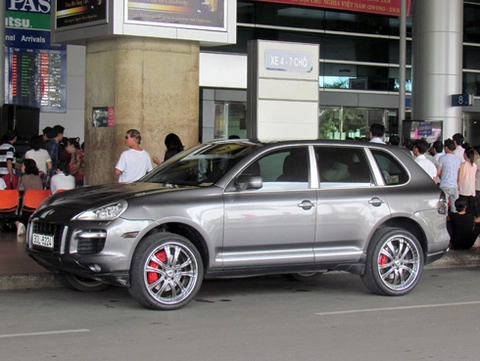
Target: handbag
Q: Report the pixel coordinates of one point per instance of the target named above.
(13, 184)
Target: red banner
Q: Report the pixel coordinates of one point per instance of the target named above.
(382, 7)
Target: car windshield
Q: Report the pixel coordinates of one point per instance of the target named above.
(201, 166)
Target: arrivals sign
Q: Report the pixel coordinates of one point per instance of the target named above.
(382, 7)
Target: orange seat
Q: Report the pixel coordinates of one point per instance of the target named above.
(33, 198)
(8, 200)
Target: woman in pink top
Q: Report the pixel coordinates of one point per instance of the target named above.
(466, 179)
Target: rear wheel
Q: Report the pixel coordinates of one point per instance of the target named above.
(394, 262)
(166, 272)
(84, 284)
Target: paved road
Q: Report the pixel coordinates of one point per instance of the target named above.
(267, 318)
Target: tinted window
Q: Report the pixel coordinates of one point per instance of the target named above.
(392, 171)
(342, 165)
(286, 169)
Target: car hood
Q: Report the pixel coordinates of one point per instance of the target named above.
(77, 200)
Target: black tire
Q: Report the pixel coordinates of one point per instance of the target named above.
(166, 272)
(394, 262)
(84, 284)
(303, 276)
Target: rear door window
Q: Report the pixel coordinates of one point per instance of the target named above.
(342, 167)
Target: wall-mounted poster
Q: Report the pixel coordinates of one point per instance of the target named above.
(208, 21)
(103, 117)
(194, 13)
(80, 12)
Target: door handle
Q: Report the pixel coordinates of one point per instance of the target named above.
(375, 201)
(306, 205)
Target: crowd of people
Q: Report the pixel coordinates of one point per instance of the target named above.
(455, 166)
(57, 163)
(53, 162)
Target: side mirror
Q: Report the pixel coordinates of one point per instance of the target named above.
(245, 181)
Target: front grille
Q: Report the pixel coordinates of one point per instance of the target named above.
(68, 240)
(48, 229)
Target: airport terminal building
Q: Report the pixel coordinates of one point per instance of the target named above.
(359, 66)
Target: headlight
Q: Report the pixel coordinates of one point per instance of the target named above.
(105, 213)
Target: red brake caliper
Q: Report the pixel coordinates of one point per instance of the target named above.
(153, 276)
(382, 260)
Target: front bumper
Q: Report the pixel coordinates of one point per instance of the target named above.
(96, 250)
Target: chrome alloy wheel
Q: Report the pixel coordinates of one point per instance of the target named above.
(171, 273)
(399, 263)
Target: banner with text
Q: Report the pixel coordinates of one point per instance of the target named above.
(382, 7)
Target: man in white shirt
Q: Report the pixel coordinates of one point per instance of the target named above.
(135, 162)
(377, 131)
(458, 140)
(419, 148)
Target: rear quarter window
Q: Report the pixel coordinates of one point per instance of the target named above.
(393, 172)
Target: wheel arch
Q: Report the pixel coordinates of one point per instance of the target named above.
(410, 226)
(187, 231)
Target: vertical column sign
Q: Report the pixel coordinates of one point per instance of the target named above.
(282, 90)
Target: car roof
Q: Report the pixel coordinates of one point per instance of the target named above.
(332, 142)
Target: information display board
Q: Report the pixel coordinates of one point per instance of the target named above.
(35, 78)
(35, 71)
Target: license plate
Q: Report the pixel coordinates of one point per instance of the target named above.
(42, 240)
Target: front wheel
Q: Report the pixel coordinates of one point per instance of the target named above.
(303, 276)
(166, 272)
(394, 262)
(84, 284)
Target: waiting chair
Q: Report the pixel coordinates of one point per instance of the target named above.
(33, 198)
(9, 200)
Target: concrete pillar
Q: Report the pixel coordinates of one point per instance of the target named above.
(437, 62)
(153, 85)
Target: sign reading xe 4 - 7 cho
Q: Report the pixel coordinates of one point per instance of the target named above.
(292, 61)
(382, 7)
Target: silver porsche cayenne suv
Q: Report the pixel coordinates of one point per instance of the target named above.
(244, 208)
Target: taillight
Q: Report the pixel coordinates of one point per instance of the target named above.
(442, 204)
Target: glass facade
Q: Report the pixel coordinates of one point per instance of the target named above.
(352, 45)
(359, 52)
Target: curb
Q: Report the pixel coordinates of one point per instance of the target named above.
(457, 259)
(39, 280)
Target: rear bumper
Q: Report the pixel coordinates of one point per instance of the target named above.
(435, 256)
